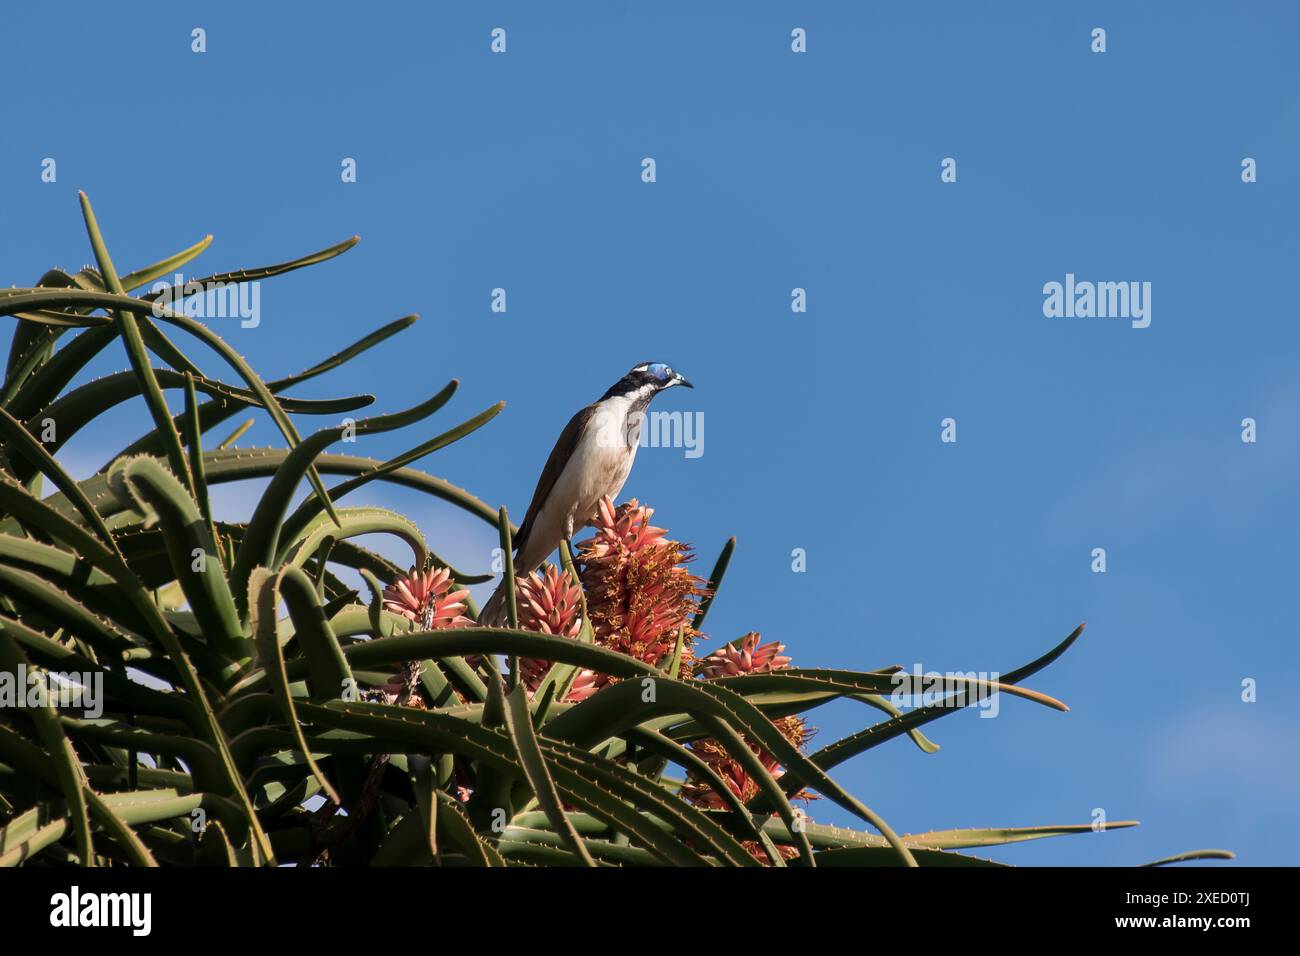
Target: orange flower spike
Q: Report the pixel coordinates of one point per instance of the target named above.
(639, 593)
(549, 603)
(744, 657)
(412, 597)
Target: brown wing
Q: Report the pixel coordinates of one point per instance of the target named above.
(559, 457)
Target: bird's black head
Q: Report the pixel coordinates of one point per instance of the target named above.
(647, 380)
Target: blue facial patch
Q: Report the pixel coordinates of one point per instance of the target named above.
(659, 370)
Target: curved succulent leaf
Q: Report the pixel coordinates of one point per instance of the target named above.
(519, 724)
(264, 598)
(197, 566)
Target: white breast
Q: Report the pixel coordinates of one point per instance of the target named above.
(599, 466)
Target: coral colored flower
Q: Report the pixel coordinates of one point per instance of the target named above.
(585, 682)
(551, 603)
(743, 657)
(640, 594)
(427, 596)
(733, 772)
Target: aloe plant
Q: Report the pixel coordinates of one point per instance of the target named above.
(250, 694)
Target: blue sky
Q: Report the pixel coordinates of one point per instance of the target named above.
(778, 170)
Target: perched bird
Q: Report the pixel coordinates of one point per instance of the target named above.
(592, 459)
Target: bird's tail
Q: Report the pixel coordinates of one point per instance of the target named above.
(493, 613)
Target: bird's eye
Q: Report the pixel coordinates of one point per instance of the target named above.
(659, 370)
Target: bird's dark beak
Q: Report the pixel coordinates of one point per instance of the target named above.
(682, 380)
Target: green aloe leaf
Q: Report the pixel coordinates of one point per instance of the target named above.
(215, 412)
(193, 436)
(519, 724)
(423, 785)
(924, 743)
(34, 305)
(741, 752)
(41, 459)
(352, 523)
(31, 832)
(160, 345)
(121, 690)
(715, 581)
(239, 464)
(203, 761)
(267, 272)
(363, 344)
(310, 507)
(264, 528)
(129, 329)
(609, 791)
(57, 565)
(597, 785)
(23, 365)
(264, 597)
(72, 780)
(17, 501)
(884, 856)
(743, 819)
(614, 709)
(455, 829)
(1191, 855)
(998, 836)
(120, 830)
(330, 674)
(836, 753)
(192, 551)
(52, 376)
(65, 611)
(854, 682)
(32, 343)
(227, 400)
(81, 406)
(459, 642)
(261, 537)
(545, 848)
(125, 308)
(269, 401)
(235, 435)
(150, 273)
(215, 848)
